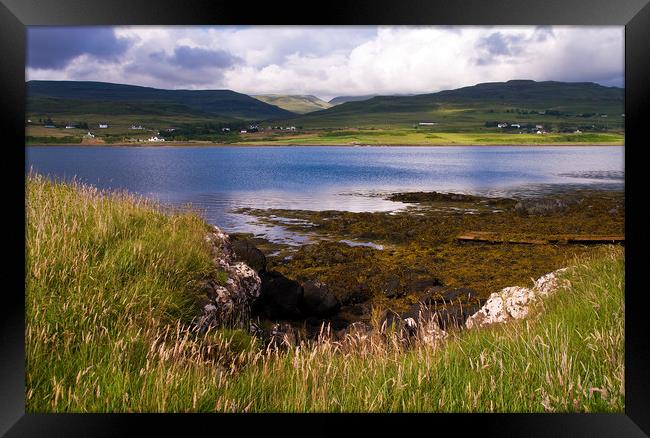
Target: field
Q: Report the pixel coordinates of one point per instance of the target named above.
(410, 136)
(110, 289)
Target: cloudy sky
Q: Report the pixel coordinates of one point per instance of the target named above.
(325, 61)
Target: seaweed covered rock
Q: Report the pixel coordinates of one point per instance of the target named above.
(228, 298)
(432, 197)
(541, 206)
(318, 300)
(280, 297)
(248, 253)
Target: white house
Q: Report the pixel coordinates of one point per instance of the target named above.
(103, 125)
(155, 138)
(243, 131)
(502, 125)
(138, 127)
(577, 131)
(70, 126)
(90, 135)
(539, 132)
(427, 123)
(225, 129)
(516, 125)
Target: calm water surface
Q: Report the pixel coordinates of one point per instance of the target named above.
(218, 180)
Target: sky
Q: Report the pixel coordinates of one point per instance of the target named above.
(325, 61)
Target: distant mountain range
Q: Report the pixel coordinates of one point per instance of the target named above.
(342, 99)
(462, 108)
(474, 105)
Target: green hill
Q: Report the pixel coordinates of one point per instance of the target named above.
(54, 98)
(299, 104)
(342, 99)
(469, 108)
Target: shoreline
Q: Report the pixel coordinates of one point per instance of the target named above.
(275, 144)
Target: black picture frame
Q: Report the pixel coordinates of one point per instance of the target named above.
(633, 14)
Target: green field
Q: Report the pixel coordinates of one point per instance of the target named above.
(396, 137)
(111, 285)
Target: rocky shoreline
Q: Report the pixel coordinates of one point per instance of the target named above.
(423, 283)
(250, 293)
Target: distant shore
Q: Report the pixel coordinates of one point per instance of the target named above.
(274, 144)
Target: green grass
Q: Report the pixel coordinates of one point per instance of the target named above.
(52, 140)
(111, 286)
(424, 137)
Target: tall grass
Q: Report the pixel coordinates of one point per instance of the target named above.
(110, 289)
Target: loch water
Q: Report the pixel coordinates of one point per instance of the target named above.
(217, 181)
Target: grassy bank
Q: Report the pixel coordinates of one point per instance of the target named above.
(110, 286)
(423, 137)
(346, 137)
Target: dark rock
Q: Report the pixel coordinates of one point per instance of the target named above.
(390, 318)
(359, 328)
(282, 335)
(358, 294)
(422, 284)
(391, 288)
(442, 295)
(446, 315)
(318, 300)
(359, 309)
(248, 253)
(280, 297)
(432, 197)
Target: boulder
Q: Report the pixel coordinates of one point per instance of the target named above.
(446, 316)
(248, 253)
(282, 335)
(229, 302)
(514, 302)
(317, 300)
(442, 295)
(391, 287)
(358, 330)
(280, 297)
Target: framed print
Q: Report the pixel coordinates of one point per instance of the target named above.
(424, 209)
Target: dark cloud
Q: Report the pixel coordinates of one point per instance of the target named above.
(498, 44)
(55, 47)
(180, 68)
(542, 33)
(195, 57)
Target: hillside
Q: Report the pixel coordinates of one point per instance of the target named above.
(296, 103)
(52, 98)
(469, 108)
(342, 99)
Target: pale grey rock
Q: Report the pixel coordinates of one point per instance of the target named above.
(514, 302)
(230, 303)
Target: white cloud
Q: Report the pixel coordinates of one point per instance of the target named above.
(331, 61)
